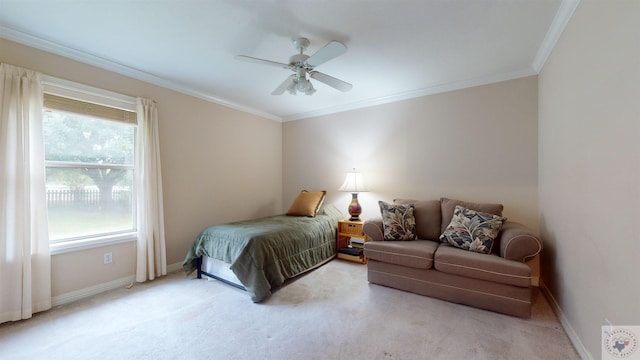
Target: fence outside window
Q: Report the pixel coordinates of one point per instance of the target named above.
(85, 197)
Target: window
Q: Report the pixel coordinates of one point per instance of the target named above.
(90, 172)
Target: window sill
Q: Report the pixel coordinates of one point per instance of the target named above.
(84, 244)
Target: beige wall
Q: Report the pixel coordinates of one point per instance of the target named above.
(476, 144)
(218, 165)
(589, 169)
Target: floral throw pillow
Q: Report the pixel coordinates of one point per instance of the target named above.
(398, 221)
(472, 230)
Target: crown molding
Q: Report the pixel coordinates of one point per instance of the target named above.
(559, 23)
(484, 80)
(86, 58)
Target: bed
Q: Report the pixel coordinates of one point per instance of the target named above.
(262, 253)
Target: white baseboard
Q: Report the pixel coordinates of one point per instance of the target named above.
(97, 289)
(566, 325)
(174, 267)
(91, 290)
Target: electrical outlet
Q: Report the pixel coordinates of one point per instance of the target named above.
(108, 258)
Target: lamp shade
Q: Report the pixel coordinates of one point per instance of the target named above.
(353, 183)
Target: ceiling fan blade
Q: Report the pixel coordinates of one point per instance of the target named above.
(262, 61)
(331, 81)
(280, 89)
(328, 52)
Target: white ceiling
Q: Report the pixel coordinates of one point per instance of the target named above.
(396, 49)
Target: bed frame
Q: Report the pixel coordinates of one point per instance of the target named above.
(218, 277)
(228, 277)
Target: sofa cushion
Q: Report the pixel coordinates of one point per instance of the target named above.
(493, 268)
(416, 254)
(398, 221)
(472, 230)
(448, 206)
(428, 217)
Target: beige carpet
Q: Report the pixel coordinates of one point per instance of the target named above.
(330, 313)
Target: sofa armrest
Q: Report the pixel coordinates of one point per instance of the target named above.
(372, 228)
(518, 243)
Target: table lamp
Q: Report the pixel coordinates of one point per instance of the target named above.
(353, 184)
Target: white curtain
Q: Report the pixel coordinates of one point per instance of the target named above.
(25, 262)
(151, 258)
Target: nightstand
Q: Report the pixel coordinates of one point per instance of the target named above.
(350, 233)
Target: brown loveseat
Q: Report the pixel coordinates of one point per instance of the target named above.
(499, 281)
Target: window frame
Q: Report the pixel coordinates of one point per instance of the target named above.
(89, 94)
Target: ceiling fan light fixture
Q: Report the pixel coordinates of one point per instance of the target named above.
(292, 88)
(305, 86)
(302, 65)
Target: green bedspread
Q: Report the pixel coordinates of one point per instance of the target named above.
(264, 252)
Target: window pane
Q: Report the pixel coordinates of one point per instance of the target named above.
(89, 176)
(77, 138)
(79, 208)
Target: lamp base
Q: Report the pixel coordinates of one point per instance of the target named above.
(354, 208)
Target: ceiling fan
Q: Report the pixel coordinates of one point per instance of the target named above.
(302, 65)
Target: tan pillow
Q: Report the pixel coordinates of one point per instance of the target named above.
(307, 203)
